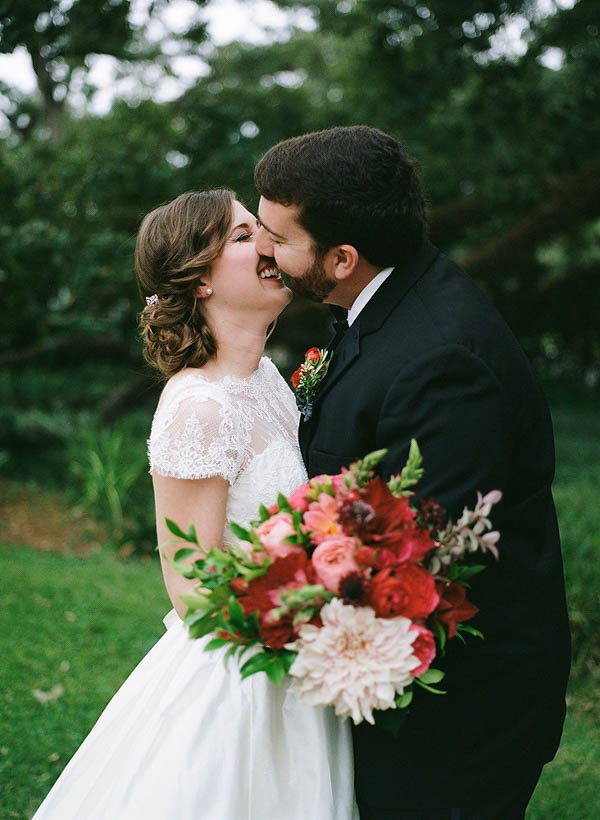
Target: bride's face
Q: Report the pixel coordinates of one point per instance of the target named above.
(240, 278)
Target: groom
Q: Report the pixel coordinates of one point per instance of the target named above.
(426, 355)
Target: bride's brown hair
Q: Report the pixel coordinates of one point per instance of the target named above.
(176, 245)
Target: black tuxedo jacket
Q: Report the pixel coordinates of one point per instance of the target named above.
(430, 358)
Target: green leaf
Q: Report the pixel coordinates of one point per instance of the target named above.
(404, 700)
(263, 513)
(276, 672)
(257, 663)
(390, 720)
(283, 503)
(179, 533)
(196, 602)
(470, 630)
(216, 643)
(440, 633)
(429, 688)
(461, 573)
(237, 619)
(431, 676)
(239, 532)
(201, 627)
(185, 552)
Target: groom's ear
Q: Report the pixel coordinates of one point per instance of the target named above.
(344, 259)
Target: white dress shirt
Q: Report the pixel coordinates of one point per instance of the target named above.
(367, 292)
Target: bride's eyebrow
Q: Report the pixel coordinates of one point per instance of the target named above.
(246, 225)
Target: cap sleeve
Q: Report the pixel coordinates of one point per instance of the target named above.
(195, 434)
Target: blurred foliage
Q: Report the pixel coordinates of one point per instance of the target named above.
(110, 469)
(507, 146)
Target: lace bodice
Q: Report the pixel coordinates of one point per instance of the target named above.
(244, 430)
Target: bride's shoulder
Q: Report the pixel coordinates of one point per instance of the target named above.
(190, 400)
(193, 433)
(188, 385)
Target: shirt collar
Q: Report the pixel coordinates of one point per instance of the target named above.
(367, 292)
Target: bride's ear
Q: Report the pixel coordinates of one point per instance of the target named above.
(203, 290)
(344, 259)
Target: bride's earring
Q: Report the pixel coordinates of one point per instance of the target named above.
(209, 291)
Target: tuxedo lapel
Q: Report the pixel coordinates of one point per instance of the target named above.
(346, 351)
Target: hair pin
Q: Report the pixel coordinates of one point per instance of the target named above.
(152, 300)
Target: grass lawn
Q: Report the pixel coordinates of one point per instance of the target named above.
(73, 626)
(80, 623)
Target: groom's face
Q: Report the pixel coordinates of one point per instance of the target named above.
(281, 237)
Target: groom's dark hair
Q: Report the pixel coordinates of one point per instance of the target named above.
(353, 185)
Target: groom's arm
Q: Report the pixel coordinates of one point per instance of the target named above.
(453, 405)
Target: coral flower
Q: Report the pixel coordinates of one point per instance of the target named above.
(321, 518)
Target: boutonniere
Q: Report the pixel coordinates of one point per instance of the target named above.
(307, 378)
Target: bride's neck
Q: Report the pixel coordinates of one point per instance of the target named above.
(239, 349)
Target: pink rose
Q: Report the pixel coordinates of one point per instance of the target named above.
(298, 499)
(423, 649)
(274, 531)
(333, 560)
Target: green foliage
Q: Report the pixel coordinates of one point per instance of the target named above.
(514, 194)
(111, 481)
(411, 473)
(576, 491)
(275, 665)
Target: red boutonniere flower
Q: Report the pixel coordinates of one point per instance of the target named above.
(307, 378)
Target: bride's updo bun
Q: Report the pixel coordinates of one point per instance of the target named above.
(176, 245)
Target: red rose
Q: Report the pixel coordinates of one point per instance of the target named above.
(313, 354)
(261, 594)
(296, 376)
(453, 607)
(279, 632)
(423, 648)
(407, 590)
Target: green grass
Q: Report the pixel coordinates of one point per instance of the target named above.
(568, 787)
(78, 622)
(84, 622)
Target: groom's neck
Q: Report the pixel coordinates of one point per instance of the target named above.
(348, 290)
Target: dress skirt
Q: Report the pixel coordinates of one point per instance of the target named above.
(185, 738)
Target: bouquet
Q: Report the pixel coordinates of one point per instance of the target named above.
(347, 586)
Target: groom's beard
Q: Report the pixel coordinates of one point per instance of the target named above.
(313, 284)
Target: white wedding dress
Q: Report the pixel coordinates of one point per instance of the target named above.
(185, 738)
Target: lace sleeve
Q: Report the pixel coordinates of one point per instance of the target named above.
(195, 435)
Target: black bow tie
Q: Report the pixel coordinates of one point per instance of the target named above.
(340, 327)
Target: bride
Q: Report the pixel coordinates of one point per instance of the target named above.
(185, 738)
